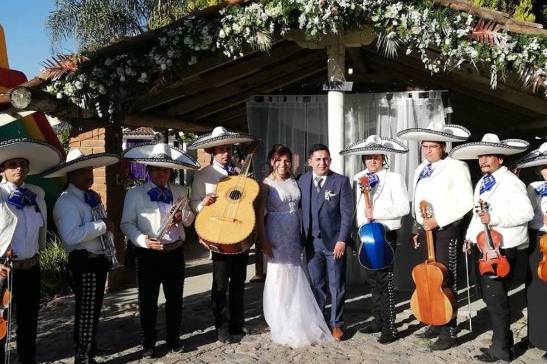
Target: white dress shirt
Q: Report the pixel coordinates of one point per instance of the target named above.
(389, 199)
(205, 182)
(539, 204)
(143, 217)
(448, 191)
(26, 234)
(74, 220)
(316, 179)
(509, 208)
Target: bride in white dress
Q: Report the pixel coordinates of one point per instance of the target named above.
(290, 309)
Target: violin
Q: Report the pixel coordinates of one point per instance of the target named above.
(5, 300)
(542, 267)
(375, 252)
(492, 263)
(432, 302)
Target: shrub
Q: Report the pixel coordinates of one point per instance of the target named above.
(53, 261)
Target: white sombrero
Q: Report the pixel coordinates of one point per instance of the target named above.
(375, 145)
(75, 160)
(535, 158)
(220, 136)
(160, 155)
(436, 132)
(490, 144)
(40, 155)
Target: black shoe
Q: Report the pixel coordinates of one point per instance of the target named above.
(148, 352)
(443, 343)
(371, 328)
(224, 337)
(431, 333)
(488, 357)
(387, 338)
(241, 331)
(176, 347)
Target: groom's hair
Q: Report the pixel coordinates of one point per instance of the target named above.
(316, 147)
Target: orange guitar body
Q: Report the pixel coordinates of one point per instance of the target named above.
(432, 303)
(542, 267)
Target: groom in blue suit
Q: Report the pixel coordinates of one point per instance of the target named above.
(327, 219)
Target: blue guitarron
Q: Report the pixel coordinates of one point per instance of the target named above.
(375, 253)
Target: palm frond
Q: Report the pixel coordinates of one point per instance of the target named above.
(532, 79)
(389, 44)
(487, 32)
(61, 65)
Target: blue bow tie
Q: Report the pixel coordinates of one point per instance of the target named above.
(372, 179)
(158, 194)
(92, 198)
(426, 172)
(230, 169)
(22, 197)
(488, 182)
(541, 190)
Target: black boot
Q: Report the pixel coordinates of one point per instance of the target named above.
(372, 328)
(443, 343)
(431, 333)
(387, 337)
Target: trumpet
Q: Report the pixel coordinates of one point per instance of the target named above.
(107, 239)
(180, 204)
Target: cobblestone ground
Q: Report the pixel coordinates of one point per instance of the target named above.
(119, 332)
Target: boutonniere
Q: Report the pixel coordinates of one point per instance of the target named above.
(329, 194)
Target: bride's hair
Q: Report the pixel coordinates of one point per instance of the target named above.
(277, 151)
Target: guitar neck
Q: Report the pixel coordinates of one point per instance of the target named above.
(430, 246)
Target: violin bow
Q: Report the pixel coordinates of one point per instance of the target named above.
(468, 289)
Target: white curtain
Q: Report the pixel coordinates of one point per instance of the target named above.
(300, 121)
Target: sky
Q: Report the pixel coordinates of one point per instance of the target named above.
(28, 42)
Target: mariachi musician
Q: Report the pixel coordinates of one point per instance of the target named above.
(81, 230)
(537, 290)
(229, 270)
(509, 211)
(389, 204)
(23, 228)
(446, 184)
(154, 216)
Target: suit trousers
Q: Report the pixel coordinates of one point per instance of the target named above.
(446, 252)
(323, 266)
(229, 274)
(87, 277)
(155, 268)
(383, 292)
(494, 294)
(26, 302)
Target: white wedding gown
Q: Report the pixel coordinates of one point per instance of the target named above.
(289, 306)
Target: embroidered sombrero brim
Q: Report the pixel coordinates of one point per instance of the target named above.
(41, 156)
(210, 141)
(474, 149)
(386, 146)
(143, 154)
(533, 159)
(93, 161)
(449, 133)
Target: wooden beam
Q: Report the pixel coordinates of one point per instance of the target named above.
(273, 85)
(220, 75)
(511, 24)
(163, 122)
(470, 84)
(215, 94)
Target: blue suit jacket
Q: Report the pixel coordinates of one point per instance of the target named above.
(335, 214)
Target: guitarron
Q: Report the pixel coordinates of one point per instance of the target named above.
(432, 303)
(375, 253)
(225, 225)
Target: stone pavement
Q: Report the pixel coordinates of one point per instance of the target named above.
(119, 331)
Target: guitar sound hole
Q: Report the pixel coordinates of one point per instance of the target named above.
(235, 195)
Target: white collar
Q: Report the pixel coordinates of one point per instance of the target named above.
(12, 187)
(150, 185)
(498, 173)
(76, 191)
(315, 176)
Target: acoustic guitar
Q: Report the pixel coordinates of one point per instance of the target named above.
(432, 303)
(224, 226)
